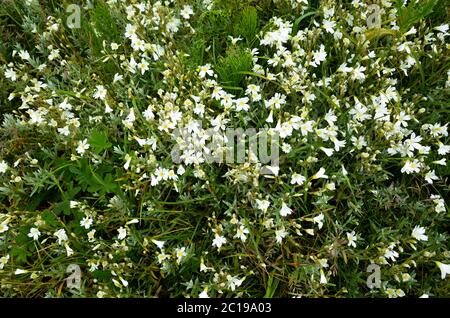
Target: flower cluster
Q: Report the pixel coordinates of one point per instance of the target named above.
(109, 130)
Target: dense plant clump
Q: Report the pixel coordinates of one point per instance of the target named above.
(355, 96)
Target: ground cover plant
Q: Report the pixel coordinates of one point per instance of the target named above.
(115, 119)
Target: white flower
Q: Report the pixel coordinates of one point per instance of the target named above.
(173, 25)
(61, 235)
(276, 101)
(320, 174)
(285, 210)
(9, 73)
(122, 233)
(440, 203)
(3, 261)
(69, 251)
(186, 12)
(242, 104)
(351, 238)
(34, 233)
(430, 176)
(3, 166)
(329, 26)
(20, 271)
(205, 69)
(390, 253)
(219, 241)
(4, 227)
(204, 293)
(419, 233)
(280, 234)
(180, 253)
(328, 151)
(297, 179)
(86, 222)
(263, 205)
(117, 77)
(441, 162)
(445, 269)
(114, 46)
(241, 233)
(358, 73)
(24, 55)
(319, 220)
(411, 166)
(143, 66)
(406, 277)
(82, 146)
(162, 256)
(323, 278)
(233, 282)
(91, 235)
(443, 149)
(100, 92)
(64, 131)
(319, 56)
(442, 28)
(160, 244)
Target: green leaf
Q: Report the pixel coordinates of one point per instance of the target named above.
(415, 12)
(50, 218)
(99, 141)
(20, 254)
(63, 206)
(101, 275)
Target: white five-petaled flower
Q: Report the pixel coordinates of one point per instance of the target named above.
(319, 220)
(82, 146)
(86, 222)
(280, 234)
(285, 210)
(297, 179)
(205, 69)
(34, 233)
(233, 282)
(100, 92)
(351, 238)
(445, 269)
(186, 12)
(241, 233)
(61, 235)
(122, 233)
(3, 261)
(411, 166)
(419, 233)
(242, 104)
(263, 205)
(3, 166)
(431, 176)
(143, 66)
(319, 56)
(180, 252)
(219, 241)
(4, 227)
(9, 73)
(24, 55)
